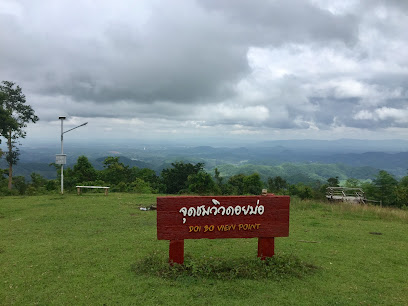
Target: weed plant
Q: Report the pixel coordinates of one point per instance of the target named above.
(275, 268)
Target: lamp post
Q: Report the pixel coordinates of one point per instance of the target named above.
(61, 158)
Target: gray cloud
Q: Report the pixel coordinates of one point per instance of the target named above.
(279, 22)
(217, 65)
(176, 56)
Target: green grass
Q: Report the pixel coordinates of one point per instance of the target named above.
(93, 249)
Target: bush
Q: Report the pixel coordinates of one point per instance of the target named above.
(20, 184)
(51, 185)
(31, 190)
(140, 186)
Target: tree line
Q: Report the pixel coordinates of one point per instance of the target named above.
(188, 178)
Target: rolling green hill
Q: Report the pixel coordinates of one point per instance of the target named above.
(298, 172)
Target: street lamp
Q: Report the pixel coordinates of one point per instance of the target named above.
(61, 159)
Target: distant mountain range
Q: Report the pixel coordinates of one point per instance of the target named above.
(369, 155)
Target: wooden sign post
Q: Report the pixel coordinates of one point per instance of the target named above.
(264, 217)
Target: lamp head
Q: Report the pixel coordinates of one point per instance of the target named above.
(62, 117)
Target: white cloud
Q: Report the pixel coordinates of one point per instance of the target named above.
(337, 7)
(363, 115)
(387, 113)
(399, 116)
(239, 113)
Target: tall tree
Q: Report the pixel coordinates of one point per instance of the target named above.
(115, 171)
(201, 183)
(236, 184)
(176, 179)
(6, 121)
(386, 186)
(402, 192)
(277, 184)
(352, 183)
(84, 171)
(333, 181)
(218, 177)
(13, 103)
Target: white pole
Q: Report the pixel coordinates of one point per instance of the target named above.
(62, 152)
(62, 149)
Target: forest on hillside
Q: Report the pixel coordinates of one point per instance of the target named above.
(188, 178)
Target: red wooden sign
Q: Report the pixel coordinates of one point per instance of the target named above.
(186, 217)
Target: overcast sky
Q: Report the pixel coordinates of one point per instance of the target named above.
(210, 69)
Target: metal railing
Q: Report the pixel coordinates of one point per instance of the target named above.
(345, 194)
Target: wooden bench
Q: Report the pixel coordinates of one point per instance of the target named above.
(79, 188)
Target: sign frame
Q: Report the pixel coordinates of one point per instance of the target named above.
(217, 217)
(61, 159)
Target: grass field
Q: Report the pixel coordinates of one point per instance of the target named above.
(83, 250)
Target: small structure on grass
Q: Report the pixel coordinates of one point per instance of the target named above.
(344, 194)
